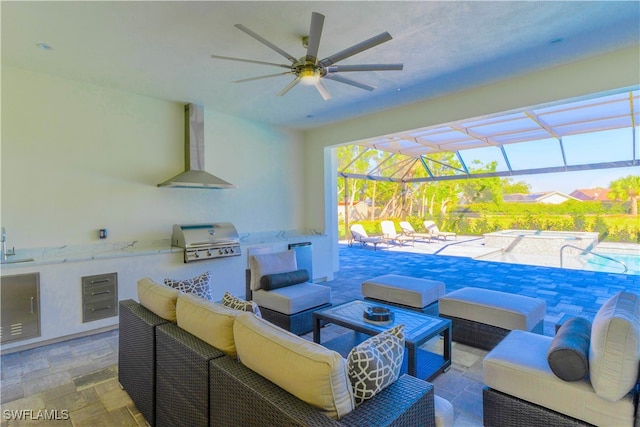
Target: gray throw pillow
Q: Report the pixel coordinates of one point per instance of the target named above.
(568, 354)
(375, 363)
(199, 285)
(280, 280)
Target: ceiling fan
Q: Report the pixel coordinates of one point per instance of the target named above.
(310, 71)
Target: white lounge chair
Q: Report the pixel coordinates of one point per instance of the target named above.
(432, 228)
(389, 232)
(408, 230)
(358, 234)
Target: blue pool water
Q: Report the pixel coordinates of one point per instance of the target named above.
(632, 261)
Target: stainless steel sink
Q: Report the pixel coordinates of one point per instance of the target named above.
(15, 261)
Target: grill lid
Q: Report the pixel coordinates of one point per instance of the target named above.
(206, 241)
(199, 235)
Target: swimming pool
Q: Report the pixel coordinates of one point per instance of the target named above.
(598, 263)
(539, 242)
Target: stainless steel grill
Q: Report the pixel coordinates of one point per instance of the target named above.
(206, 241)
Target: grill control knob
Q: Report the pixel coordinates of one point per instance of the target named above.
(197, 254)
(220, 251)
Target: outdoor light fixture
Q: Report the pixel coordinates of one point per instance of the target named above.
(309, 76)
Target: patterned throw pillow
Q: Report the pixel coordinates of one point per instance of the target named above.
(236, 303)
(199, 286)
(375, 363)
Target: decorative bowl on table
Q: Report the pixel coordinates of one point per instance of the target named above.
(378, 315)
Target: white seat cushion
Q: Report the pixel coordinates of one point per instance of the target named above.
(409, 291)
(518, 366)
(293, 299)
(501, 309)
(444, 412)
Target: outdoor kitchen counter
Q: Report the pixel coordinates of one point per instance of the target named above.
(82, 253)
(64, 254)
(62, 270)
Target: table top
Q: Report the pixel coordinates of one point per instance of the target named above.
(417, 325)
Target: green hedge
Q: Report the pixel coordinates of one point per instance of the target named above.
(570, 207)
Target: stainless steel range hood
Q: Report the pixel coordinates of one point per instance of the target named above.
(195, 176)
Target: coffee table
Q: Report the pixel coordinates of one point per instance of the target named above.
(419, 328)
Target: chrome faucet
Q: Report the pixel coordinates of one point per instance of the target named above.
(4, 254)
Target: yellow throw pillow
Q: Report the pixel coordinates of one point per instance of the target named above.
(158, 298)
(209, 321)
(309, 371)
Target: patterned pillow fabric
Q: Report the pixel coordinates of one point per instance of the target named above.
(236, 303)
(199, 286)
(375, 363)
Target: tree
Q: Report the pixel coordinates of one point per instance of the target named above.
(627, 188)
(511, 187)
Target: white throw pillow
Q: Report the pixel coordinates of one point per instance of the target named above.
(614, 351)
(280, 262)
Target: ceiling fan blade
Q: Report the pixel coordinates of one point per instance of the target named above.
(323, 90)
(265, 42)
(229, 58)
(288, 87)
(340, 79)
(364, 67)
(263, 77)
(357, 48)
(315, 32)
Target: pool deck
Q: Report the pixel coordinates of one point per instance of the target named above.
(566, 291)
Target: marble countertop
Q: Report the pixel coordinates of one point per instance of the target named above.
(83, 253)
(80, 253)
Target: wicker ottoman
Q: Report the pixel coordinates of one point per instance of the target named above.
(482, 317)
(407, 292)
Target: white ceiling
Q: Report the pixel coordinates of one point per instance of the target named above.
(162, 49)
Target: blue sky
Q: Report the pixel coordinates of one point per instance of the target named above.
(590, 148)
(566, 182)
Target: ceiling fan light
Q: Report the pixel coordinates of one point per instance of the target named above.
(309, 77)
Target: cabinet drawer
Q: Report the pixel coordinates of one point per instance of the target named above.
(100, 280)
(98, 310)
(100, 292)
(99, 296)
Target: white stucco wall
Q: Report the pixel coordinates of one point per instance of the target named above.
(77, 158)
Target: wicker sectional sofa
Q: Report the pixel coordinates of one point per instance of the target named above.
(176, 378)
